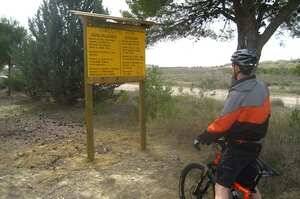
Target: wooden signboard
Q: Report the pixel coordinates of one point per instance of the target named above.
(114, 52)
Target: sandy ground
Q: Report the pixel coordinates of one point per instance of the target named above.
(43, 155)
(219, 94)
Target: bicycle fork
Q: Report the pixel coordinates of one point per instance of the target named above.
(199, 192)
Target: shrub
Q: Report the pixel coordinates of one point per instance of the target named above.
(158, 95)
(294, 118)
(281, 151)
(17, 81)
(277, 102)
(297, 70)
(2, 83)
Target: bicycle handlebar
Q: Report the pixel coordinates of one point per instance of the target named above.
(221, 142)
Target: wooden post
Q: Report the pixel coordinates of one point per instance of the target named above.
(88, 93)
(142, 116)
(89, 121)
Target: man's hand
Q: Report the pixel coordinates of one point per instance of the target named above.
(196, 144)
(206, 138)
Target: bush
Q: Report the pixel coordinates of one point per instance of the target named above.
(17, 81)
(277, 102)
(281, 151)
(158, 95)
(2, 83)
(297, 70)
(294, 118)
(102, 92)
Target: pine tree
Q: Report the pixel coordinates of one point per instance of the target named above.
(56, 65)
(11, 37)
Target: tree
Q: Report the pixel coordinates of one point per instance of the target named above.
(56, 65)
(11, 37)
(256, 20)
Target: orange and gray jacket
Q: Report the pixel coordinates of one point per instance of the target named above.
(246, 112)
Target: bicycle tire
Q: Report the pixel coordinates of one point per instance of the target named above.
(200, 179)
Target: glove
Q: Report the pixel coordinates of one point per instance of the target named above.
(196, 144)
(206, 138)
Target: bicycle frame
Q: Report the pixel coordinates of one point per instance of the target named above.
(246, 192)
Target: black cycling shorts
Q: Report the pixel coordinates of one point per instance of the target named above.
(237, 167)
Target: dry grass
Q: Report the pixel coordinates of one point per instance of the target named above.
(174, 132)
(281, 149)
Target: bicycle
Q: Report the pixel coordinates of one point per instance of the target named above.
(202, 186)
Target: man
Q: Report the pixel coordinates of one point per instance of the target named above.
(243, 122)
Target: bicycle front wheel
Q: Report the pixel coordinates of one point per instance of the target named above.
(194, 183)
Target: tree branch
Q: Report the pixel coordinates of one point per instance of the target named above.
(227, 15)
(260, 15)
(237, 8)
(283, 14)
(226, 12)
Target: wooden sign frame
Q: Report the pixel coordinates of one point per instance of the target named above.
(98, 20)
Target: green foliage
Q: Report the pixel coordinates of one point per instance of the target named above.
(293, 23)
(256, 21)
(294, 118)
(158, 95)
(17, 81)
(146, 8)
(281, 151)
(198, 77)
(280, 67)
(297, 70)
(277, 102)
(102, 92)
(11, 37)
(2, 83)
(56, 51)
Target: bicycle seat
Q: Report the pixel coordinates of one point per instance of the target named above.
(266, 170)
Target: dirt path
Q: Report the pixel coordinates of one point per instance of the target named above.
(219, 94)
(43, 155)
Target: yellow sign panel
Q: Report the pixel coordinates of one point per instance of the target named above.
(115, 52)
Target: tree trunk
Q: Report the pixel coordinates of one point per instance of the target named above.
(9, 76)
(245, 18)
(248, 36)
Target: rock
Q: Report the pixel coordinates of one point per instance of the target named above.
(86, 194)
(63, 183)
(212, 93)
(20, 154)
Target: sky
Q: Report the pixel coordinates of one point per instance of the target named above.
(182, 52)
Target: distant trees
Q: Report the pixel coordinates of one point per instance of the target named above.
(255, 20)
(53, 59)
(12, 36)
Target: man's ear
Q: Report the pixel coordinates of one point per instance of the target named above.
(236, 68)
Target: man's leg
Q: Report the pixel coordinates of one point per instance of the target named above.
(256, 195)
(221, 192)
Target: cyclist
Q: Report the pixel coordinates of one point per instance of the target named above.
(243, 123)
